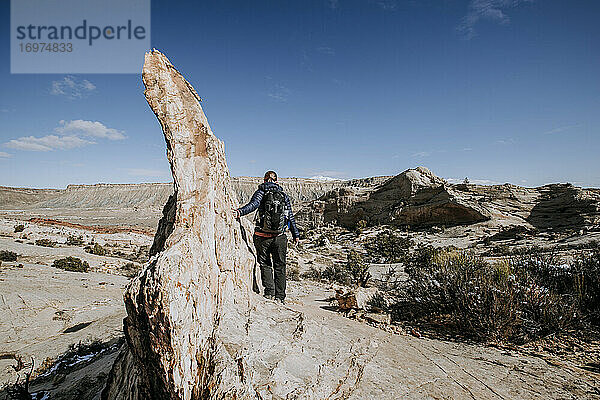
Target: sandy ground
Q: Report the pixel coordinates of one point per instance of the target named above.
(144, 217)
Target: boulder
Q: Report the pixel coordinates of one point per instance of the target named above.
(565, 207)
(357, 298)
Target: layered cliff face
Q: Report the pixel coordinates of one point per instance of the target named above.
(194, 327)
(154, 195)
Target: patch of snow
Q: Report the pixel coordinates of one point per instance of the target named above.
(324, 178)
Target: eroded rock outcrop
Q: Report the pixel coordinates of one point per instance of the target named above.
(415, 197)
(194, 327)
(188, 310)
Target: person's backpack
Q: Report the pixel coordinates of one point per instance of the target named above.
(273, 218)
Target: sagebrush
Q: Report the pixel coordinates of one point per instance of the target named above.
(6, 255)
(73, 264)
(518, 299)
(388, 247)
(45, 243)
(96, 249)
(353, 272)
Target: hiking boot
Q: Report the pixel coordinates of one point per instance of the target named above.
(282, 301)
(269, 297)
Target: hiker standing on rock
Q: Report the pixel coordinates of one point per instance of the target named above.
(273, 216)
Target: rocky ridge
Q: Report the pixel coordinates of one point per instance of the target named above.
(155, 195)
(418, 198)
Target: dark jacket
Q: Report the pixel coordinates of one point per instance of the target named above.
(257, 199)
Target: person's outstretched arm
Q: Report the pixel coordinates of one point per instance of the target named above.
(252, 205)
(291, 220)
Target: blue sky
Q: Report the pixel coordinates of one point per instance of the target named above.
(494, 90)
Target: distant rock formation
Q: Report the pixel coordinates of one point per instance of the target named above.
(565, 206)
(194, 327)
(154, 195)
(418, 198)
(415, 197)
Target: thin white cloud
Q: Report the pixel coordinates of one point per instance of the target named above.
(89, 128)
(5, 155)
(69, 135)
(279, 93)
(47, 143)
(147, 173)
(388, 5)
(505, 141)
(72, 88)
(486, 10)
(561, 129)
(421, 154)
(326, 50)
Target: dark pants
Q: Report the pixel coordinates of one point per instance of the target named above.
(271, 258)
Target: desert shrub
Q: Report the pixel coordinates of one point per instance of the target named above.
(588, 266)
(473, 293)
(377, 302)
(130, 269)
(142, 254)
(518, 299)
(6, 255)
(500, 250)
(323, 240)
(71, 264)
(506, 250)
(293, 272)
(45, 243)
(75, 240)
(360, 226)
(96, 249)
(388, 247)
(355, 271)
(19, 228)
(331, 273)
